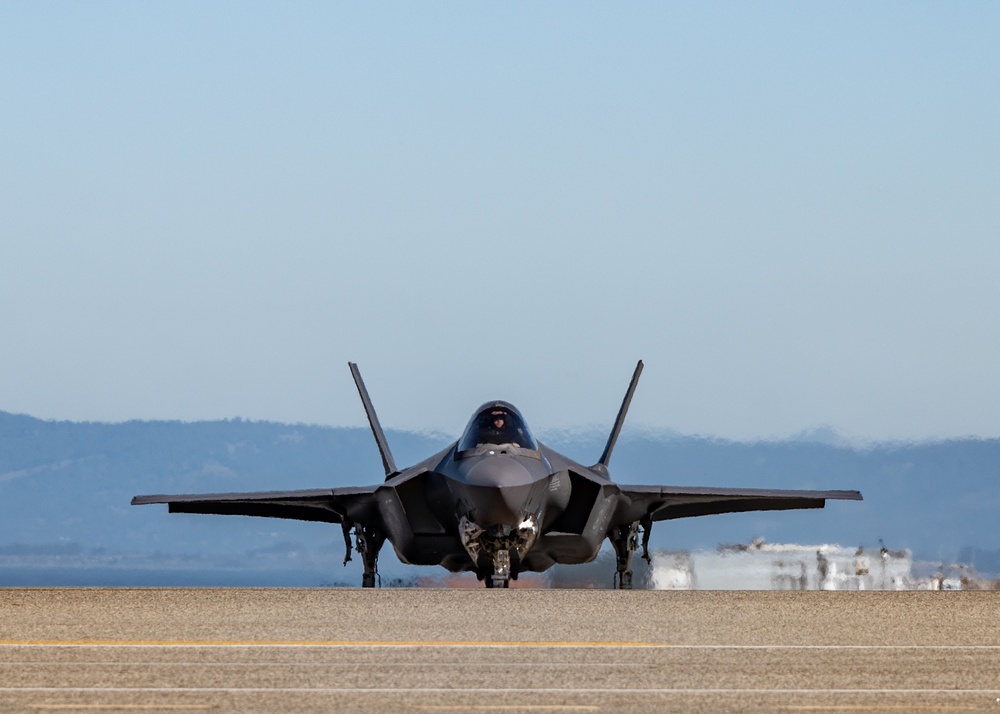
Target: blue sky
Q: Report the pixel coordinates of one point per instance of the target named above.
(790, 212)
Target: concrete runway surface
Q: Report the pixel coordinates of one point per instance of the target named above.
(330, 650)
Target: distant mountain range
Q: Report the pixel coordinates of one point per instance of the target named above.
(65, 489)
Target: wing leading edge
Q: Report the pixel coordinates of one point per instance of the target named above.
(329, 505)
(661, 503)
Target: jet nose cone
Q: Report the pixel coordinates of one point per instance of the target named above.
(502, 506)
(499, 486)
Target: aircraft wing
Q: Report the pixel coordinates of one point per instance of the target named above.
(330, 505)
(661, 503)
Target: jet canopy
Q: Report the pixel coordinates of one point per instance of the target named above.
(497, 423)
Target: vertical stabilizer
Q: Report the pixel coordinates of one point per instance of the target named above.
(620, 419)
(383, 445)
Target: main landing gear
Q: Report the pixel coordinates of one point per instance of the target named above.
(368, 542)
(625, 540)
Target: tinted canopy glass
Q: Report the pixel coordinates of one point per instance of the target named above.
(497, 423)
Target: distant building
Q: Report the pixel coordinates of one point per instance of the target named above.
(771, 566)
(774, 566)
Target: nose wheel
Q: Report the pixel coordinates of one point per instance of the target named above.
(500, 577)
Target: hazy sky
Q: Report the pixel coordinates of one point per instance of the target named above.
(790, 211)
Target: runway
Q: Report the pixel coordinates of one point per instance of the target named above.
(500, 651)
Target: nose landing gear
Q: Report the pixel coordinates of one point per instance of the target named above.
(497, 550)
(500, 578)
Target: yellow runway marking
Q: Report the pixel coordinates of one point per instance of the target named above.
(510, 707)
(312, 643)
(876, 708)
(467, 643)
(128, 707)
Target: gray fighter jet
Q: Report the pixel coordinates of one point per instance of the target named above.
(497, 503)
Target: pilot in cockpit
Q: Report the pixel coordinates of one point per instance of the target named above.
(498, 428)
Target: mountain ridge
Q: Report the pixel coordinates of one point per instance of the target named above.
(68, 484)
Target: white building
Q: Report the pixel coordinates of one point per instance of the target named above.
(767, 566)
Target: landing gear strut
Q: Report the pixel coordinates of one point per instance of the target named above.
(501, 575)
(625, 540)
(368, 542)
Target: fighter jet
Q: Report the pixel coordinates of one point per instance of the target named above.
(496, 502)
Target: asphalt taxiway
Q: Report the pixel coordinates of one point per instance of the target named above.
(496, 650)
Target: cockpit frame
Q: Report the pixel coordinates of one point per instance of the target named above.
(497, 424)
